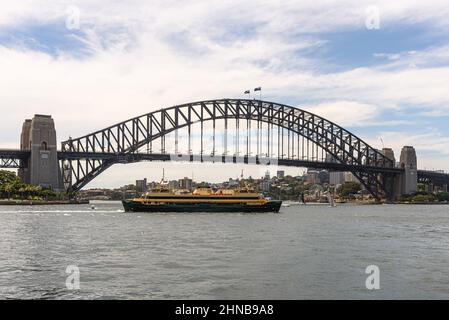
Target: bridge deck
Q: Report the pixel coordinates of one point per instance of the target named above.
(136, 157)
(14, 158)
(14, 153)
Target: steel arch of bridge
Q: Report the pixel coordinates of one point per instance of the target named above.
(127, 137)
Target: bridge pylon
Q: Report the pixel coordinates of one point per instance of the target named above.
(407, 182)
(39, 137)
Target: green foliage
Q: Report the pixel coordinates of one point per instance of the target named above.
(405, 198)
(12, 188)
(422, 187)
(203, 185)
(7, 177)
(443, 196)
(348, 188)
(424, 198)
(422, 193)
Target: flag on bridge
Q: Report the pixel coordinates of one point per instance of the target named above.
(258, 89)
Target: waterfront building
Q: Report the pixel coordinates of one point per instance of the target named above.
(323, 176)
(141, 185)
(185, 183)
(336, 178)
(312, 177)
(267, 175)
(173, 184)
(265, 186)
(280, 174)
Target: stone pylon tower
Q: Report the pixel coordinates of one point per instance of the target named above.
(409, 163)
(39, 136)
(389, 153)
(388, 180)
(407, 182)
(24, 173)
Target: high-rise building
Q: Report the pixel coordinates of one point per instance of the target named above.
(336, 178)
(312, 177)
(265, 186)
(323, 176)
(141, 185)
(267, 175)
(185, 183)
(280, 174)
(173, 184)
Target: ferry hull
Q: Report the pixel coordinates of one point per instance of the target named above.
(135, 206)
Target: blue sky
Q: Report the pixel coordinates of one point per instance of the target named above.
(358, 48)
(52, 38)
(126, 59)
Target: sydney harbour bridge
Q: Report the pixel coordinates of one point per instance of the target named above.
(217, 131)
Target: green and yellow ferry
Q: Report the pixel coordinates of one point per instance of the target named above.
(162, 199)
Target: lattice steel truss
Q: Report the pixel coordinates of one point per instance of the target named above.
(433, 177)
(10, 163)
(95, 152)
(13, 159)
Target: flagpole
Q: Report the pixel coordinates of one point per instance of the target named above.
(260, 92)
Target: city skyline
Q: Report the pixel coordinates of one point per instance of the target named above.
(175, 171)
(90, 66)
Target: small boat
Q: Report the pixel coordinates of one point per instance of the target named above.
(331, 200)
(302, 199)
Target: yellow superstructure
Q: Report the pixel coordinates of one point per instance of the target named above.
(205, 195)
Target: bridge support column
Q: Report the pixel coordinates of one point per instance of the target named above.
(39, 136)
(407, 182)
(24, 173)
(389, 180)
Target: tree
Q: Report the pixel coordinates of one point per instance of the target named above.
(348, 188)
(443, 196)
(422, 187)
(12, 187)
(423, 198)
(7, 177)
(9, 183)
(8, 189)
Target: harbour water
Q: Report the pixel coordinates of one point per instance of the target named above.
(304, 252)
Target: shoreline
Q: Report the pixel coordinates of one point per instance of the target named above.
(67, 202)
(366, 203)
(40, 202)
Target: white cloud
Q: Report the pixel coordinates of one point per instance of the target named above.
(147, 55)
(431, 141)
(214, 16)
(345, 113)
(432, 148)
